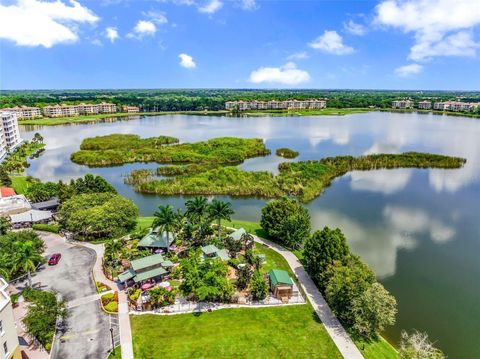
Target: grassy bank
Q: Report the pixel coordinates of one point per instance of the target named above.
(304, 180)
(20, 184)
(435, 112)
(47, 121)
(319, 112)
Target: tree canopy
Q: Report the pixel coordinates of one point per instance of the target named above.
(286, 221)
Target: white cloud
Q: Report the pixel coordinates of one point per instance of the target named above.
(211, 6)
(187, 61)
(287, 74)
(331, 42)
(407, 70)
(248, 4)
(38, 23)
(302, 55)
(157, 17)
(440, 27)
(143, 28)
(111, 33)
(354, 28)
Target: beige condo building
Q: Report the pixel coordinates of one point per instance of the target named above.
(276, 105)
(10, 347)
(25, 112)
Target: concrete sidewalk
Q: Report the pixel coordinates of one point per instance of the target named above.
(334, 328)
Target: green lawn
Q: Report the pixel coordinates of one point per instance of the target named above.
(250, 227)
(273, 259)
(19, 184)
(276, 332)
(380, 349)
(144, 222)
(116, 354)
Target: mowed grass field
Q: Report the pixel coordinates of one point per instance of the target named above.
(274, 332)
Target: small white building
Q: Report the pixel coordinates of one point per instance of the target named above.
(9, 133)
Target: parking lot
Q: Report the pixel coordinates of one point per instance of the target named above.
(86, 332)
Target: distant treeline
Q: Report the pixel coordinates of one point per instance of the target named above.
(214, 99)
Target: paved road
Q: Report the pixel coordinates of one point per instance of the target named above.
(86, 333)
(334, 328)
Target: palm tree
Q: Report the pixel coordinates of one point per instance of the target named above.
(165, 218)
(113, 249)
(26, 259)
(196, 208)
(219, 210)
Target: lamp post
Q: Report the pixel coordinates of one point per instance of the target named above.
(111, 335)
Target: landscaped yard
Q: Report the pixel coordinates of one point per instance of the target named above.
(275, 332)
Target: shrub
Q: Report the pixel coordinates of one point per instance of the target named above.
(258, 286)
(286, 153)
(54, 228)
(112, 307)
(134, 296)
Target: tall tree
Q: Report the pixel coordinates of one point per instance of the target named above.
(286, 221)
(322, 249)
(197, 208)
(26, 259)
(373, 310)
(219, 210)
(347, 281)
(165, 218)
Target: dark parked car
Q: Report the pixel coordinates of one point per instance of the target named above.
(54, 259)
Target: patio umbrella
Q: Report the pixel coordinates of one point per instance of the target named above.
(146, 286)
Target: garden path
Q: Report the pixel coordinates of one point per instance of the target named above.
(334, 328)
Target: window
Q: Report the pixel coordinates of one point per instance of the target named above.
(5, 348)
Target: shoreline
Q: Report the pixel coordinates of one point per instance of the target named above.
(92, 119)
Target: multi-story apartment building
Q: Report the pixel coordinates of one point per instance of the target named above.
(87, 109)
(130, 109)
(105, 107)
(25, 112)
(275, 105)
(81, 109)
(402, 104)
(425, 105)
(456, 106)
(9, 345)
(9, 132)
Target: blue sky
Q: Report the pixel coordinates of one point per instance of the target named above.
(384, 44)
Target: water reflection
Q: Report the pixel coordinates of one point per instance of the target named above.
(418, 229)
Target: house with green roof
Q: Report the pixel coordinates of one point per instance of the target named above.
(211, 251)
(281, 284)
(237, 234)
(156, 239)
(150, 267)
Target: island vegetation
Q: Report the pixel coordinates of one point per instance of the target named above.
(304, 180)
(113, 151)
(286, 152)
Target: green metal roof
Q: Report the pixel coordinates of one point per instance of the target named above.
(223, 255)
(149, 274)
(128, 274)
(237, 235)
(155, 239)
(278, 276)
(210, 249)
(146, 262)
(167, 264)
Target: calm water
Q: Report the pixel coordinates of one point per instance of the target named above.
(418, 229)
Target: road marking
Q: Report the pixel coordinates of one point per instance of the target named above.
(79, 334)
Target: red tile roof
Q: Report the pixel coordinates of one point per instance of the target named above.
(7, 192)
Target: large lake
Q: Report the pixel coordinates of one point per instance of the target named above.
(418, 229)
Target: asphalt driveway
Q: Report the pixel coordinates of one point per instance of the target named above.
(86, 332)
